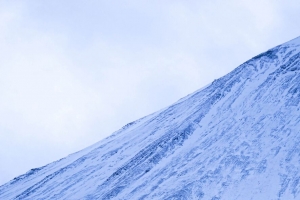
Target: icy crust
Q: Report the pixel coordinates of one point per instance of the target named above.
(237, 138)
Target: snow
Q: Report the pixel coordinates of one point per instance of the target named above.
(236, 138)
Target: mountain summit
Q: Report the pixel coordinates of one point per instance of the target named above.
(237, 138)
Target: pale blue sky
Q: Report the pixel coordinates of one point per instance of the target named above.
(72, 72)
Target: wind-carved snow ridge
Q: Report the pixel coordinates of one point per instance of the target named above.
(237, 138)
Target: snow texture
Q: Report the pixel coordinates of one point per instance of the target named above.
(237, 138)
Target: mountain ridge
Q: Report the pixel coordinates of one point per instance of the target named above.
(217, 143)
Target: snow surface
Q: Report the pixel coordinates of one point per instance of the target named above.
(237, 138)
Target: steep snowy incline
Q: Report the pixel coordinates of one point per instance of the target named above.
(237, 138)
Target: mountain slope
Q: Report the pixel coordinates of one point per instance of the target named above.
(237, 138)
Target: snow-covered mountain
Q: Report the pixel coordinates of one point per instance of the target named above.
(237, 138)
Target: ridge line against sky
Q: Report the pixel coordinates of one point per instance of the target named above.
(72, 72)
